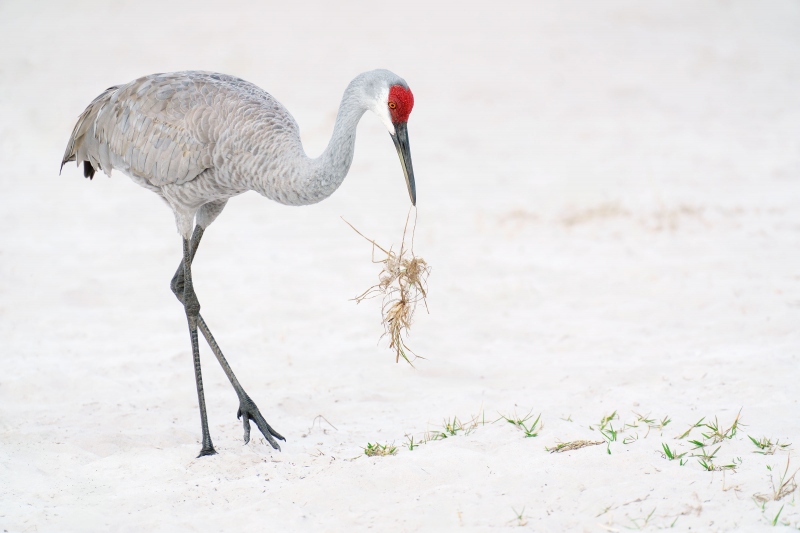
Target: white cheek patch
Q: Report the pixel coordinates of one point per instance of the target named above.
(380, 106)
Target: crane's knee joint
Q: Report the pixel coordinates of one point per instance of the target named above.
(176, 285)
(192, 307)
(190, 302)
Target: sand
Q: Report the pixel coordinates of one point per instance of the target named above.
(607, 197)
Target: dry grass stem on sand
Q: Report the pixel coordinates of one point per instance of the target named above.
(574, 445)
(402, 283)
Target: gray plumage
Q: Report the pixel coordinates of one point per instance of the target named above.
(199, 138)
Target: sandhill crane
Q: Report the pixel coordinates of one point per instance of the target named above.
(198, 138)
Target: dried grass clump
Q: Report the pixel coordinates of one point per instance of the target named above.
(574, 445)
(402, 284)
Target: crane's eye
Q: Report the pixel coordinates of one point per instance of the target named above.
(392, 105)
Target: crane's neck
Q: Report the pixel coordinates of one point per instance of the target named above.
(301, 180)
(332, 166)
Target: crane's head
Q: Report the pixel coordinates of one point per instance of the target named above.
(400, 102)
(389, 97)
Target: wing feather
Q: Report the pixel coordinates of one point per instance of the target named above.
(159, 127)
(153, 140)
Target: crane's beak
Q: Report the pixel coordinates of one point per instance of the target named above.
(400, 139)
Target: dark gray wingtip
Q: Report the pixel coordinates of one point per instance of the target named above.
(88, 170)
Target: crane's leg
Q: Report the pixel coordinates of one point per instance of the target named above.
(192, 307)
(177, 284)
(247, 408)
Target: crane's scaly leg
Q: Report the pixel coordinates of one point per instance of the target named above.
(177, 280)
(192, 307)
(247, 408)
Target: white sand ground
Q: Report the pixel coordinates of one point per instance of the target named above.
(609, 199)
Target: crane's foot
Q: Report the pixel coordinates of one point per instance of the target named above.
(247, 412)
(207, 450)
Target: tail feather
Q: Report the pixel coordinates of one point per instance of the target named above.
(79, 144)
(88, 170)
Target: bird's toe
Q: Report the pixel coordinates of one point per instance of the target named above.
(249, 411)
